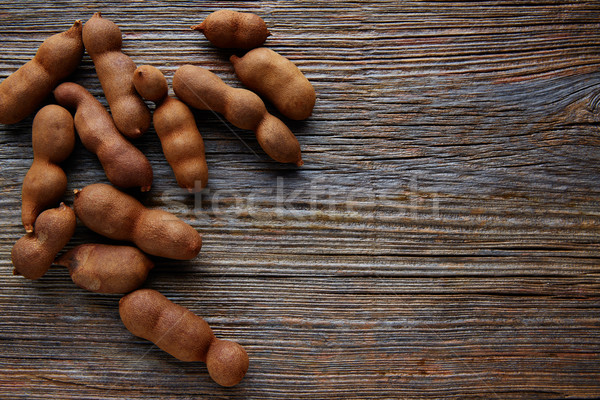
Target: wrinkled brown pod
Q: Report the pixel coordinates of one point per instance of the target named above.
(34, 253)
(103, 40)
(175, 126)
(53, 139)
(278, 80)
(201, 89)
(175, 329)
(118, 216)
(25, 89)
(104, 268)
(125, 166)
(230, 29)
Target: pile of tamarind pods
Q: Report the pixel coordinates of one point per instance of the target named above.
(108, 211)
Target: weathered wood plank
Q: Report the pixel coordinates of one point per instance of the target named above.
(441, 241)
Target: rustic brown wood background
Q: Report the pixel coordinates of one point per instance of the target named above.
(441, 241)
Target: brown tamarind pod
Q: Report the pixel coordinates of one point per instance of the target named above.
(103, 40)
(34, 253)
(230, 29)
(125, 166)
(202, 89)
(178, 331)
(104, 268)
(118, 216)
(25, 89)
(176, 128)
(278, 80)
(53, 139)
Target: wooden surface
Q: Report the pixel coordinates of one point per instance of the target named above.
(441, 241)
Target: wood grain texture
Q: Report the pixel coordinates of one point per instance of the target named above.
(442, 239)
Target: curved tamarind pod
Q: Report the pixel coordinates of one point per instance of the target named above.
(53, 139)
(278, 80)
(34, 253)
(24, 90)
(201, 89)
(125, 166)
(175, 329)
(103, 40)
